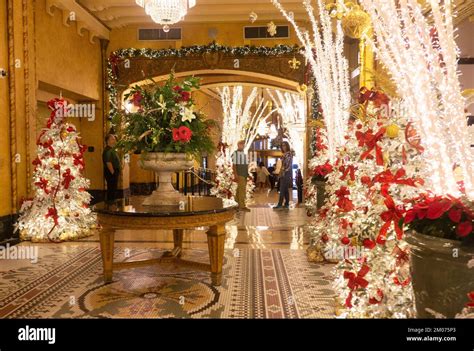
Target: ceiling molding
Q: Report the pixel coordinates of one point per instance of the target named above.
(82, 17)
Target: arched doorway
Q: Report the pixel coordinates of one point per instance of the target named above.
(280, 68)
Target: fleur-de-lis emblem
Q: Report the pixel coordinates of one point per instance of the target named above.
(294, 63)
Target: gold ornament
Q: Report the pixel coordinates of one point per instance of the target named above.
(355, 22)
(272, 29)
(315, 253)
(392, 131)
(302, 89)
(294, 63)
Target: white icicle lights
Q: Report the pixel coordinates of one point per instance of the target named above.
(324, 51)
(422, 59)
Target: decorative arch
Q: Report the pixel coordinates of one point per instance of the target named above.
(128, 66)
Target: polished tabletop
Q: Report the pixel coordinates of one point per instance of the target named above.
(191, 205)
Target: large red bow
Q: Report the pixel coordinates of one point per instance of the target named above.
(371, 141)
(347, 171)
(344, 202)
(356, 281)
(393, 214)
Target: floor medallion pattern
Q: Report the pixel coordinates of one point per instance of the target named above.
(267, 283)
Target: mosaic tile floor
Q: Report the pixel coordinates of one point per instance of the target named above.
(266, 275)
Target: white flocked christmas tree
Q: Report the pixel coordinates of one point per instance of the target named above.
(60, 209)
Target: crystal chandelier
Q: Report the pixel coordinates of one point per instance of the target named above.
(166, 12)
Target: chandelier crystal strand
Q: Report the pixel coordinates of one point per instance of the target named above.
(422, 60)
(324, 51)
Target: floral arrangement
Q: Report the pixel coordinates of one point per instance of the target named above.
(165, 119)
(444, 217)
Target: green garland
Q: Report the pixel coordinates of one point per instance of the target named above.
(122, 54)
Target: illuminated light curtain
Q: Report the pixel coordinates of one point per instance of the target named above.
(422, 59)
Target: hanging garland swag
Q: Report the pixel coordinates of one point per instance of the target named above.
(118, 56)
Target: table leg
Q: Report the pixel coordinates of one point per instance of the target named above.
(215, 241)
(178, 242)
(107, 238)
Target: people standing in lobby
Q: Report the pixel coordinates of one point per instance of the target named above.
(262, 176)
(286, 176)
(271, 177)
(299, 185)
(112, 168)
(241, 171)
(276, 174)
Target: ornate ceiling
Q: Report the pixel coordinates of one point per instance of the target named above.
(120, 13)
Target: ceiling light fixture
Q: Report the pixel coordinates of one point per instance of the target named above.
(166, 12)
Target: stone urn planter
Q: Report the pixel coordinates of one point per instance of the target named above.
(165, 165)
(440, 273)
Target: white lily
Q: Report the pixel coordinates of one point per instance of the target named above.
(162, 104)
(187, 114)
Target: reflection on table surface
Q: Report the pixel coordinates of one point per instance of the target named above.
(133, 206)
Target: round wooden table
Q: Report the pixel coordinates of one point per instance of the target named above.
(129, 213)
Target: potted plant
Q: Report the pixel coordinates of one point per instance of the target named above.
(167, 130)
(442, 254)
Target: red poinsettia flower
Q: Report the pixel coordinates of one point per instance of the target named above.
(437, 208)
(464, 228)
(471, 299)
(454, 214)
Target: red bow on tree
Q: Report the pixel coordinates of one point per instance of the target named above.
(53, 213)
(371, 141)
(43, 184)
(393, 214)
(68, 178)
(356, 281)
(347, 171)
(344, 202)
(387, 178)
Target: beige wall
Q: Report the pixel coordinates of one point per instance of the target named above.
(69, 63)
(230, 34)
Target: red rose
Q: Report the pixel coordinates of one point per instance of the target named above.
(178, 89)
(464, 228)
(185, 96)
(185, 134)
(325, 238)
(368, 244)
(176, 134)
(71, 129)
(436, 209)
(137, 99)
(454, 214)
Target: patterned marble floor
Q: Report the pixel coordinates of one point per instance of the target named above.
(266, 275)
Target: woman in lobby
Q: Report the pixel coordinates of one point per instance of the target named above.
(286, 177)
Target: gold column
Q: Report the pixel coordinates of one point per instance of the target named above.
(21, 95)
(367, 62)
(5, 155)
